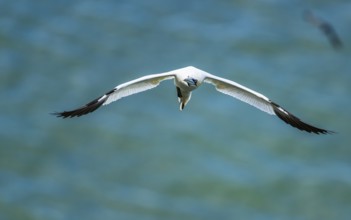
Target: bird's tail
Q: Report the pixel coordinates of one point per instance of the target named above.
(181, 105)
(183, 98)
(183, 101)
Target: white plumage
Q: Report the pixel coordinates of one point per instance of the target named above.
(186, 80)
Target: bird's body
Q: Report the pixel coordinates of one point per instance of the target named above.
(186, 80)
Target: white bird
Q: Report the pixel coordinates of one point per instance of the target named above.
(186, 80)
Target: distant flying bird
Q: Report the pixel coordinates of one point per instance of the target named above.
(186, 80)
(325, 27)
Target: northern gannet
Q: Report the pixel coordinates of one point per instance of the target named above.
(186, 80)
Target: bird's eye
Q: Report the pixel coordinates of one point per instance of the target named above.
(195, 82)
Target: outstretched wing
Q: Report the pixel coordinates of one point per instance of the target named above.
(261, 102)
(240, 92)
(126, 89)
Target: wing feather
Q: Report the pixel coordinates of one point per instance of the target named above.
(261, 102)
(138, 85)
(241, 92)
(129, 88)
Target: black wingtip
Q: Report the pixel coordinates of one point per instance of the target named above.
(90, 107)
(292, 120)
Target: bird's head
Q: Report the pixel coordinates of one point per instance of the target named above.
(191, 82)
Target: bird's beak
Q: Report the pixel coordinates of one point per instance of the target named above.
(191, 81)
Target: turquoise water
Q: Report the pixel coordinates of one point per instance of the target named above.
(140, 158)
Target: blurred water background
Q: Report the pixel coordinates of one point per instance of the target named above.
(141, 158)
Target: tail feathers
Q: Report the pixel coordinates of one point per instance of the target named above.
(183, 101)
(181, 106)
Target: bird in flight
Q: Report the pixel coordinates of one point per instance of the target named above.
(186, 80)
(325, 27)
